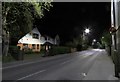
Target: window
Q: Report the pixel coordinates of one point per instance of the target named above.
(36, 36)
(48, 38)
(33, 46)
(37, 46)
(25, 45)
(45, 38)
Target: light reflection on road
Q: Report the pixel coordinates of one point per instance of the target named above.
(99, 50)
(0, 39)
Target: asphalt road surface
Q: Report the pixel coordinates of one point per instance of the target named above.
(0, 49)
(73, 66)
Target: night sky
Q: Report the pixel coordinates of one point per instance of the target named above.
(69, 19)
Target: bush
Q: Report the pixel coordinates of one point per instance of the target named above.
(59, 50)
(84, 47)
(14, 51)
(7, 58)
(79, 47)
(28, 51)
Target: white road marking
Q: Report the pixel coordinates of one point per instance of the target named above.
(31, 75)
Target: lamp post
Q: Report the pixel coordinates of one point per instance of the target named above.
(85, 32)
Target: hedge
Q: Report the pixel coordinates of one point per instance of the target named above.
(59, 50)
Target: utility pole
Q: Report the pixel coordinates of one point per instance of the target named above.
(115, 24)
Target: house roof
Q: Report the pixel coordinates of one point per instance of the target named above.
(47, 43)
(28, 38)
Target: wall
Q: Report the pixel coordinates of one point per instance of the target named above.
(31, 47)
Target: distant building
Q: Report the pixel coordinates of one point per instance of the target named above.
(33, 40)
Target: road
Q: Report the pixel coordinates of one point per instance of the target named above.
(73, 66)
(0, 49)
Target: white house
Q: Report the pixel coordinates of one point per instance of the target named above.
(34, 40)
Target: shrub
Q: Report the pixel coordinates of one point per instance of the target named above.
(7, 58)
(28, 51)
(84, 47)
(59, 50)
(14, 51)
(79, 47)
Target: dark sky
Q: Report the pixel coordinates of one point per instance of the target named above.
(69, 19)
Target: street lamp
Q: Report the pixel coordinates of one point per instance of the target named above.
(94, 40)
(85, 37)
(87, 31)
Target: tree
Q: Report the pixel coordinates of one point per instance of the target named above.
(18, 18)
(75, 43)
(106, 39)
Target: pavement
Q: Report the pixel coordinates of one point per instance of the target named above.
(103, 69)
(93, 64)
